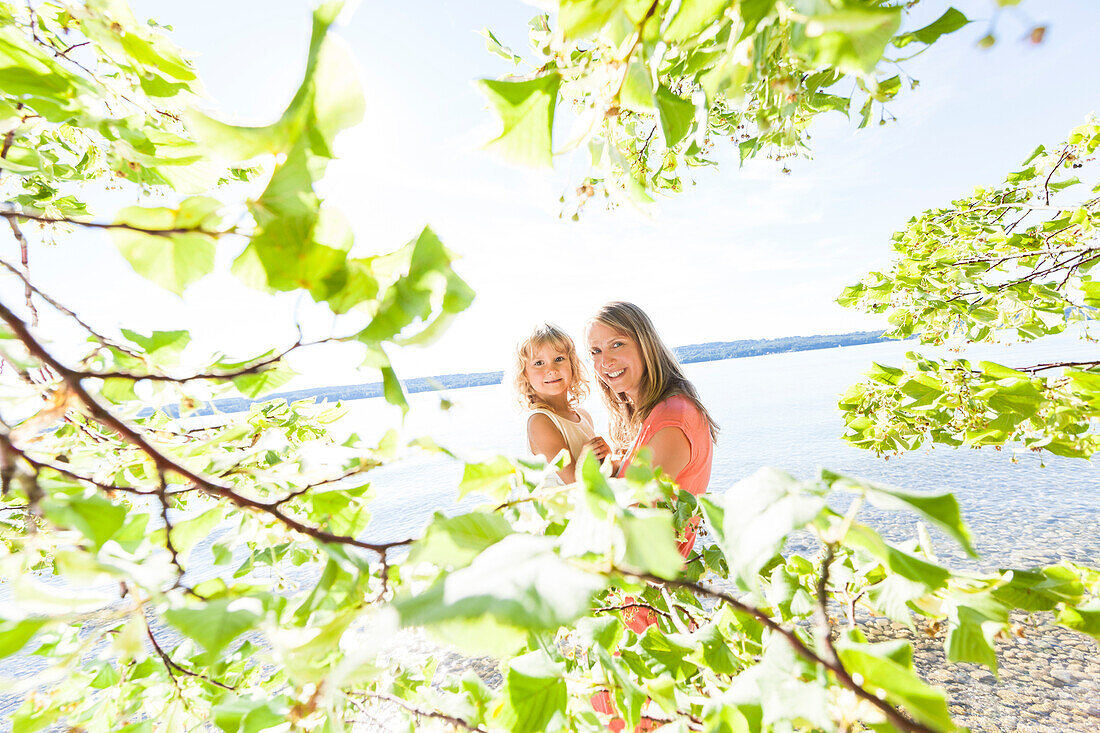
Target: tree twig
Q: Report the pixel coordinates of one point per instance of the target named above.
(23, 258)
(438, 715)
(163, 463)
(892, 714)
(628, 606)
(171, 666)
(65, 311)
(42, 219)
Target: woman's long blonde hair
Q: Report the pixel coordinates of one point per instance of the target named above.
(663, 377)
(543, 335)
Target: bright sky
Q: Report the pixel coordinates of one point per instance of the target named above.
(746, 253)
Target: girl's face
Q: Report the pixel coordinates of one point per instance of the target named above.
(548, 371)
(617, 359)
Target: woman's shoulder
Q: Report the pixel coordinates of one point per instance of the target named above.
(674, 406)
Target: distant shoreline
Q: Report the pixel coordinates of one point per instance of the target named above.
(690, 354)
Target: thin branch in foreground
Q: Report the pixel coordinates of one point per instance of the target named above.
(40, 218)
(23, 258)
(162, 497)
(172, 667)
(438, 715)
(892, 714)
(7, 445)
(65, 311)
(628, 606)
(162, 462)
(821, 617)
(1060, 365)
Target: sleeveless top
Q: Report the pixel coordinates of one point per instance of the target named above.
(576, 434)
(679, 412)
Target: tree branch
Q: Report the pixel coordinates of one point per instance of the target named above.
(170, 665)
(627, 606)
(22, 214)
(164, 463)
(65, 311)
(1060, 365)
(892, 714)
(438, 715)
(821, 616)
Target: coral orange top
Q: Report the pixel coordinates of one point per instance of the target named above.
(679, 412)
(675, 412)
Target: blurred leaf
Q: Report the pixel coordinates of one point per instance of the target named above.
(951, 21)
(895, 681)
(526, 109)
(453, 542)
(759, 512)
(216, 623)
(535, 692)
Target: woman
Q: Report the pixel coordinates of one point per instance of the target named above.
(650, 404)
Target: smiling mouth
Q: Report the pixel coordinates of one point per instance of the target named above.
(552, 381)
(615, 375)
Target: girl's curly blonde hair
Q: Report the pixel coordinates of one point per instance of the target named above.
(543, 335)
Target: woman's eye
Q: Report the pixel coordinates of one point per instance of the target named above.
(617, 343)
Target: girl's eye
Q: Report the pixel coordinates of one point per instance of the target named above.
(538, 363)
(559, 358)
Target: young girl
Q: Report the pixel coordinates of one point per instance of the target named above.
(550, 382)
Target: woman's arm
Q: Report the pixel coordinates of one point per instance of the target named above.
(671, 450)
(547, 441)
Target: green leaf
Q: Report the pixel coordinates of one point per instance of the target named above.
(651, 544)
(172, 261)
(96, 517)
(1039, 590)
(951, 21)
(852, 40)
(760, 511)
(189, 532)
(692, 17)
(162, 343)
(677, 115)
(579, 18)
(941, 510)
(666, 654)
(452, 542)
(492, 479)
(518, 582)
(535, 692)
(712, 650)
(264, 381)
(14, 635)
(890, 676)
(492, 45)
(526, 109)
(909, 566)
(970, 636)
(216, 623)
(249, 714)
(1085, 618)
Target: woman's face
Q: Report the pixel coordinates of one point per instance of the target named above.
(617, 359)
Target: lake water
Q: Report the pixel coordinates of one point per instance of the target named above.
(780, 410)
